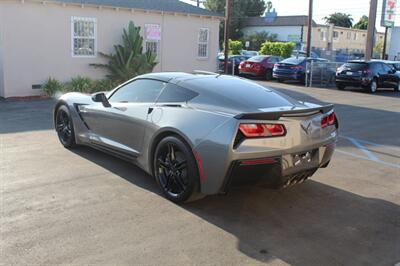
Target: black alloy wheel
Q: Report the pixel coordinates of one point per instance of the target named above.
(175, 170)
(64, 127)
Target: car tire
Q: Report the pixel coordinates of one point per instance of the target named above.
(268, 74)
(175, 170)
(340, 86)
(64, 127)
(373, 87)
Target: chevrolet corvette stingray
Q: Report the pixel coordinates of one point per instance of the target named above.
(197, 133)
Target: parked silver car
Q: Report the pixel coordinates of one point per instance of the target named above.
(197, 133)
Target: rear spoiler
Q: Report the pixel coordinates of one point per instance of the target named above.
(288, 113)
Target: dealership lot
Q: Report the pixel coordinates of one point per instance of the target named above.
(84, 207)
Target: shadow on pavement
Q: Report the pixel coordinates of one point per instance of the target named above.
(309, 224)
(23, 116)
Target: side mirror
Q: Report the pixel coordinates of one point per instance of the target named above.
(100, 97)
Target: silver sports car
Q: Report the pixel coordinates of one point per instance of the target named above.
(198, 133)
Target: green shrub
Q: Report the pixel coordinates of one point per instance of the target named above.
(256, 39)
(235, 47)
(101, 85)
(277, 48)
(51, 87)
(79, 84)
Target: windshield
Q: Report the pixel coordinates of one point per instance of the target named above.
(293, 60)
(257, 58)
(355, 66)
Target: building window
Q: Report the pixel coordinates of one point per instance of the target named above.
(152, 39)
(323, 36)
(355, 36)
(202, 49)
(83, 39)
(154, 47)
(335, 35)
(349, 36)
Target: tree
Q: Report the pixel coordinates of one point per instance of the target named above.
(235, 47)
(128, 61)
(256, 39)
(240, 10)
(283, 49)
(378, 49)
(362, 24)
(340, 19)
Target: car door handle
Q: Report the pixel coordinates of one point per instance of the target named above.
(123, 109)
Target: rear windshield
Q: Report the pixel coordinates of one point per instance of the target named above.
(293, 60)
(257, 58)
(355, 66)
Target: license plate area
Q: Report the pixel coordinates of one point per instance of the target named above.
(349, 73)
(301, 161)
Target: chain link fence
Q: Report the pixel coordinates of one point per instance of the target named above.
(321, 73)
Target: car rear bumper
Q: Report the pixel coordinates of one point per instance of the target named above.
(278, 171)
(247, 73)
(294, 76)
(354, 82)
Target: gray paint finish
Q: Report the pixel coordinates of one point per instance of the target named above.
(208, 123)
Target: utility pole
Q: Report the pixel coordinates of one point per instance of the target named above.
(385, 44)
(226, 34)
(198, 3)
(309, 29)
(371, 29)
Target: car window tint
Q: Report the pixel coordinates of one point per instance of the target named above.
(293, 60)
(355, 66)
(174, 93)
(386, 68)
(138, 91)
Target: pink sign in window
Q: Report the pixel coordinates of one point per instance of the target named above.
(152, 32)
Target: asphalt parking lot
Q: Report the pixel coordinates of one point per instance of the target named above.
(84, 207)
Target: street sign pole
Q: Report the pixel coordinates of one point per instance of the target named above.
(226, 35)
(385, 44)
(371, 29)
(309, 29)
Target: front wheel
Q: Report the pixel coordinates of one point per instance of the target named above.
(373, 86)
(397, 88)
(65, 127)
(176, 171)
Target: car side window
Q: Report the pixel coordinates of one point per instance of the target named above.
(138, 91)
(174, 94)
(386, 68)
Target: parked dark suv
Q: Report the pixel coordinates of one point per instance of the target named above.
(368, 75)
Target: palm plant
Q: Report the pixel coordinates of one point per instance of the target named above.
(128, 60)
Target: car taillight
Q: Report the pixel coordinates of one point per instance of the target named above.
(262, 130)
(297, 67)
(328, 120)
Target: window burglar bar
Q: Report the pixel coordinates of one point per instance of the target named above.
(84, 33)
(202, 51)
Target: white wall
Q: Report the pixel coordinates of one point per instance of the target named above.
(1, 56)
(281, 31)
(394, 49)
(38, 42)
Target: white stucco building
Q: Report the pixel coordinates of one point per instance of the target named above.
(394, 44)
(60, 38)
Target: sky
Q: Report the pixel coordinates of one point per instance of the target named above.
(322, 8)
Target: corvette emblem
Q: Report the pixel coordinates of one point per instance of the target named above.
(306, 128)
